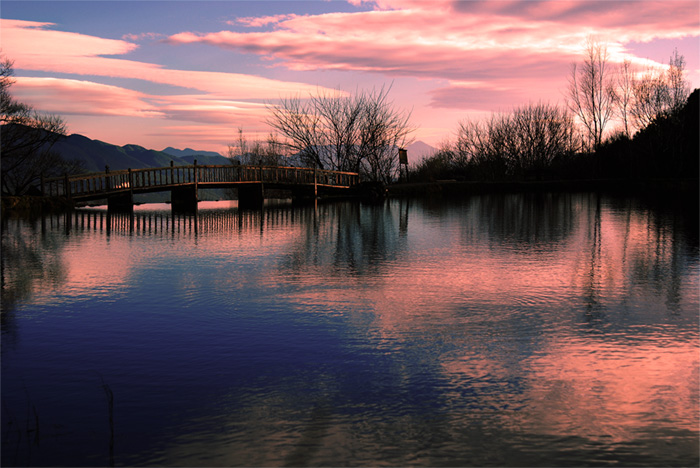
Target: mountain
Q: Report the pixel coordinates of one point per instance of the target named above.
(419, 150)
(97, 154)
(189, 152)
(205, 159)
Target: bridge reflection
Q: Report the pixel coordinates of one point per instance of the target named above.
(200, 222)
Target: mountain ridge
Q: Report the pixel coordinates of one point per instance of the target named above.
(189, 152)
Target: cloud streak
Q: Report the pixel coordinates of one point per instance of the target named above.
(33, 47)
(78, 97)
(458, 40)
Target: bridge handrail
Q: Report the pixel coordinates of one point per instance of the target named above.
(88, 175)
(128, 179)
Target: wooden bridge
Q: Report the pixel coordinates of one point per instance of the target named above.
(184, 182)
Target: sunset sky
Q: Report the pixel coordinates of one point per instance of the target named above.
(190, 73)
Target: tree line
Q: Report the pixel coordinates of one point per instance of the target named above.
(657, 135)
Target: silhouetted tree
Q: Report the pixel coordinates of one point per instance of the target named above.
(524, 142)
(257, 152)
(666, 148)
(361, 132)
(591, 91)
(443, 164)
(624, 95)
(650, 97)
(660, 92)
(679, 88)
(27, 137)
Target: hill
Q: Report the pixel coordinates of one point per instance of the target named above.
(189, 154)
(205, 159)
(96, 154)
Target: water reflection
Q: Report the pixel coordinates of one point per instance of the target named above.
(540, 330)
(31, 258)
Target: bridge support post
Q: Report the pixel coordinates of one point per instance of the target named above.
(184, 199)
(251, 196)
(121, 202)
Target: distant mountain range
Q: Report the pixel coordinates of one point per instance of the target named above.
(202, 157)
(188, 152)
(97, 154)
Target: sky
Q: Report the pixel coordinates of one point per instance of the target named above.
(192, 73)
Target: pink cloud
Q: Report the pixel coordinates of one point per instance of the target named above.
(537, 41)
(635, 14)
(32, 47)
(66, 96)
(78, 97)
(34, 40)
(208, 109)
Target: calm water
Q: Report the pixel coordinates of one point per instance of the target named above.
(517, 330)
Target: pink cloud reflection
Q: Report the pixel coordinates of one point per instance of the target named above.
(606, 389)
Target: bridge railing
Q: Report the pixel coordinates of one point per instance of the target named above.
(104, 183)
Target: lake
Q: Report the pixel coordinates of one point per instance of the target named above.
(546, 329)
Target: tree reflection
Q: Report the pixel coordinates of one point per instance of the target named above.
(529, 222)
(633, 250)
(346, 238)
(31, 261)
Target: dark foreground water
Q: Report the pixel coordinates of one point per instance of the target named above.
(510, 330)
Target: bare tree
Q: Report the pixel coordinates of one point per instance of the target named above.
(651, 97)
(660, 92)
(624, 95)
(540, 134)
(525, 142)
(679, 88)
(339, 126)
(27, 137)
(300, 123)
(257, 152)
(591, 91)
(361, 132)
(382, 131)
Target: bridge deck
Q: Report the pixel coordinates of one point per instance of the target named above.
(85, 187)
